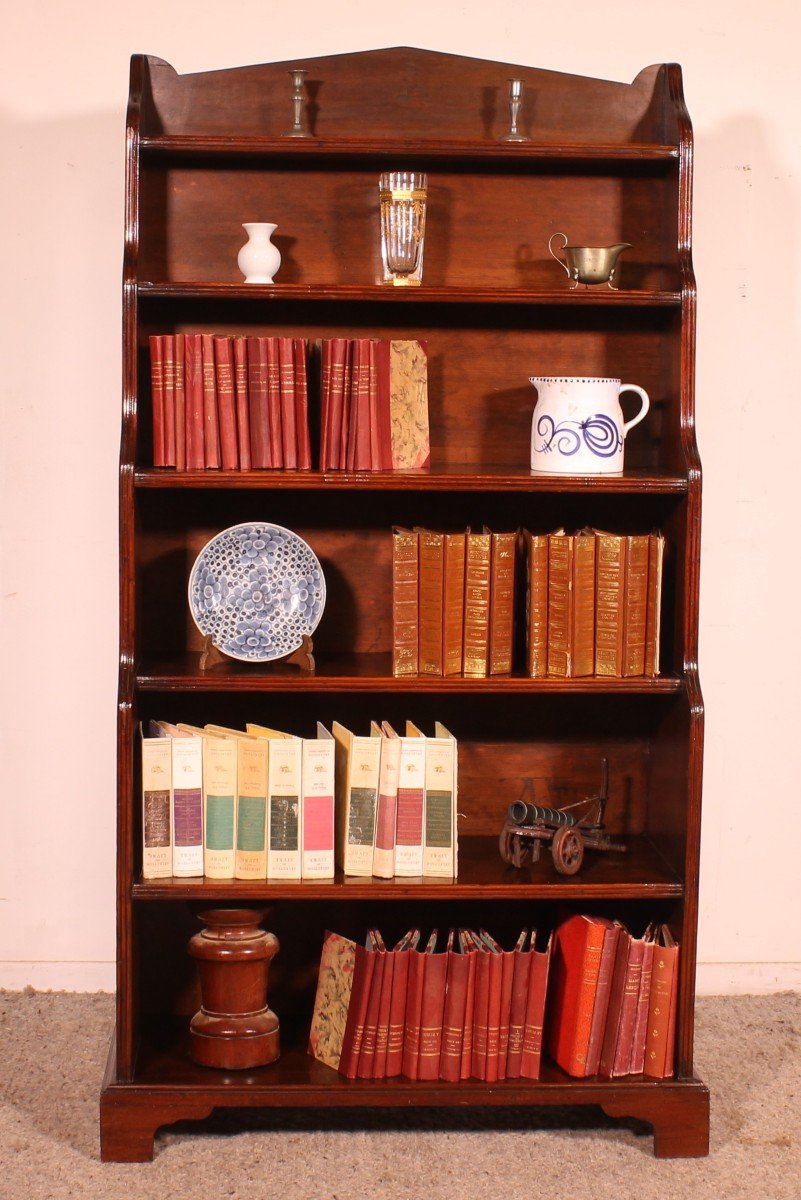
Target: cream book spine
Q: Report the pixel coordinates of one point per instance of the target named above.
(317, 805)
(219, 806)
(284, 831)
(386, 806)
(156, 823)
(357, 764)
(251, 808)
(410, 816)
(187, 805)
(439, 848)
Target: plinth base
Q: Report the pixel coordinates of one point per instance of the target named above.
(235, 1052)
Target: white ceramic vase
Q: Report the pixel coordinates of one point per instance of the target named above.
(259, 259)
(578, 426)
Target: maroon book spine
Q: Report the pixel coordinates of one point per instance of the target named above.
(535, 1013)
(602, 994)
(367, 1052)
(156, 343)
(641, 1024)
(628, 1014)
(211, 418)
(300, 349)
(357, 1012)
(431, 1014)
(478, 1066)
(362, 461)
(274, 401)
(382, 1029)
(179, 351)
(615, 1013)
(397, 1013)
(193, 374)
(286, 375)
(494, 1015)
(414, 1004)
(339, 365)
(241, 394)
(226, 403)
(325, 403)
(372, 395)
(470, 1002)
(168, 348)
(352, 402)
(260, 455)
(453, 1018)
(383, 352)
(507, 975)
(517, 1012)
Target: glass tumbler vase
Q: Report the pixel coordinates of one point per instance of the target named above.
(403, 197)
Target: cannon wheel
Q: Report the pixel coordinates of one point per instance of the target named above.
(567, 850)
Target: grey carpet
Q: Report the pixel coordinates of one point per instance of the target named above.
(52, 1055)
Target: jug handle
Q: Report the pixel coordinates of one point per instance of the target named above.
(562, 264)
(646, 404)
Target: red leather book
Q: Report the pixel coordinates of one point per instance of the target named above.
(535, 1009)
(211, 418)
(156, 342)
(367, 1052)
(494, 1007)
(481, 1005)
(179, 350)
(602, 994)
(372, 396)
(226, 403)
(286, 376)
(364, 965)
(432, 1010)
(352, 403)
(469, 950)
(637, 1060)
(615, 1011)
(414, 1007)
(628, 1015)
(521, 970)
(300, 348)
(453, 1018)
(576, 965)
(325, 404)
(193, 375)
(339, 356)
(661, 1036)
(363, 459)
(168, 356)
(241, 396)
(509, 957)
(274, 402)
(384, 405)
(397, 1004)
(382, 1029)
(260, 449)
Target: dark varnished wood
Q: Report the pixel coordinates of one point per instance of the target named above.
(605, 159)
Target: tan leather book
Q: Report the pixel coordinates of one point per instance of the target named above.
(503, 559)
(610, 587)
(653, 611)
(560, 603)
(582, 633)
(405, 615)
(635, 605)
(536, 603)
(476, 604)
(431, 601)
(660, 1043)
(453, 604)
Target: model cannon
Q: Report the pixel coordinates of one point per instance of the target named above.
(529, 826)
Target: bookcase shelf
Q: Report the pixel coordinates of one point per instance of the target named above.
(607, 162)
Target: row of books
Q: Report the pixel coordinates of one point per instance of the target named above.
(593, 603)
(230, 402)
(453, 597)
(258, 803)
(464, 1009)
(373, 405)
(601, 1002)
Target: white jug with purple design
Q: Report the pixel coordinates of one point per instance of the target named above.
(578, 426)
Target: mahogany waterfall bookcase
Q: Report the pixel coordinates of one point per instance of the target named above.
(605, 162)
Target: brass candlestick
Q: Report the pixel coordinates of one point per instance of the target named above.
(515, 102)
(297, 130)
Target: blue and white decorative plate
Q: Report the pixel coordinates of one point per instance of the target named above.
(255, 590)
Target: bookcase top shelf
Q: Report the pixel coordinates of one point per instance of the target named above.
(338, 292)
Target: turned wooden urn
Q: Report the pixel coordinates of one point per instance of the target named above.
(235, 1027)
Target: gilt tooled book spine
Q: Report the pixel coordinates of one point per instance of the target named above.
(615, 1011)
(382, 1030)
(260, 450)
(453, 604)
(507, 977)
(610, 588)
(431, 609)
(660, 1040)
(537, 604)
(397, 1010)
(637, 1060)
(517, 1012)
(414, 1005)
(156, 343)
(476, 604)
(453, 1017)
(503, 562)
(635, 605)
(286, 375)
(241, 394)
(583, 608)
(347, 432)
(179, 349)
(602, 993)
(560, 604)
(168, 375)
(656, 553)
(405, 620)
(300, 350)
(369, 1037)
(478, 1065)
(353, 1033)
(372, 395)
(362, 453)
(211, 419)
(325, 404)
(628, 1015)
(274, 402)
(467, 1036)
(226, 403)
(531, 1058)
(431, 1014)
(195, 437)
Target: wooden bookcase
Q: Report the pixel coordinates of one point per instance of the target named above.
(606, 162)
